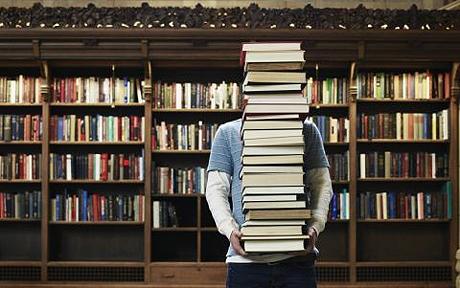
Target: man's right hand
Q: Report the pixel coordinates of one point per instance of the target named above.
(235, 239)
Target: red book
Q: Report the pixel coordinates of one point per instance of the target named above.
(1, 206)
(95, 215)
(446, 85)
(62, 91)
(21, 166)
(90, 166)
(105, 162)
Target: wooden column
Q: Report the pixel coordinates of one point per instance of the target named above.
(453, 170)
(353, 172)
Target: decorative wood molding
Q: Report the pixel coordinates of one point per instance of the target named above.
(249, 17)
(455, 86)
(45, 85)
(353, 84)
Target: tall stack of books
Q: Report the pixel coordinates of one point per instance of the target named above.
(274, 200)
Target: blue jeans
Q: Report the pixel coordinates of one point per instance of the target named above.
(281, 275)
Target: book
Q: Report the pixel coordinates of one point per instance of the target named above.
(281, 214)
(271, 46)
(275, 108)
(273, 198)
(272, 179)
(274, 244)
(274, 223)
(273, 150)
(271, 124)
(271, 117)
(271, 169)
(273, 230)
(274, 66)
(272, 159)
(275, 141)
(274, 205)
(273, 190)
(270, 133)
(294, 87)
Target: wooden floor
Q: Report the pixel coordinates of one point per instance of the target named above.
(324, 285)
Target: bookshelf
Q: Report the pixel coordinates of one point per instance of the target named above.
(53, 252)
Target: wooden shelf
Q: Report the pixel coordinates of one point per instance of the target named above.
(96, 181)
(195, 110)
(209, 229)
(403, 221)
(394, 179)
(130, 143)
(328, 106)
(95, 264)
(181, 151)
(20, 142)
(102, 105)
(402, 101)
(175, 229)
(332, 264)
(20, 263)
(191, 195)
(403, 263)
(19, 105)
(112, 223)
(14, 220)
(19, 181)
(395, 141)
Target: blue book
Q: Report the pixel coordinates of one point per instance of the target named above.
(58, 207)
(427, 203)
(84, 208)
(448, 191)
(392, 205)
(334, 207)
(60, 129)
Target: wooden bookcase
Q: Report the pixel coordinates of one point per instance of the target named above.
(354, 252)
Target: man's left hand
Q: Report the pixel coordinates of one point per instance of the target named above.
(312, 241)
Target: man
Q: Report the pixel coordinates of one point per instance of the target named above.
(264, 270)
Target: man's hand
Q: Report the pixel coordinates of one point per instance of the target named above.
(312, 241)
(235, 238)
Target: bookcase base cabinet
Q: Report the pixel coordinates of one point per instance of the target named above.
(188, 274)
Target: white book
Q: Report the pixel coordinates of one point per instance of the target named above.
(333, 132)
(268, 46)
(272, 88)
(179, 95)
(273, 150)
(398, 125)
(272, 179)
(362, 165)
(276, 141)
(68, 168)
(270, 133)
(384, 205)
(156, 214)
(274, 56)
(273, 223)
(272, 124)
(97, 167)
(433, 165)
(273, 190)
(271, 169)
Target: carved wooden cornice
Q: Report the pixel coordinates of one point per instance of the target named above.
(251, 17)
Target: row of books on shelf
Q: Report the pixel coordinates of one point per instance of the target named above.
(164, 214)
(100, 167)
(97, 90)
(20, 166)
(196, 95)
(183, 136)
(417, 85)
(20, 89)
(339, 166)
(83, 206)
(332, 130)
(97, 128)
(20, 127)
(402, 165)
(404, 205)
(404, 126)
(339, 208)
(24, 205)
(171, 180)
(326, 91)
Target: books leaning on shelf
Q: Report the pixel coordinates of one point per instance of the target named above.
(164, 214)
(183, 136)
(405, 205)
(21, 128)
(170, 180)
(96, 128)
(99, 167)
(418, 85)
(15, 166)
(332, 130)
(83, 206)
(326, 91)
(97, 90)
(404, 126)
(273, 150)
(20, 205)
(22, 89)
(340, 206)
(403, 165)
(196, 95)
